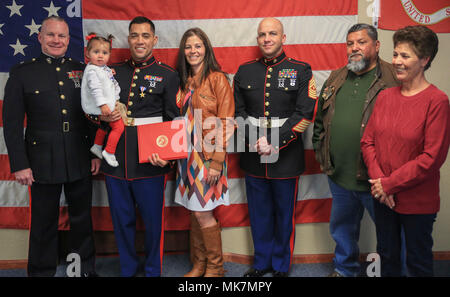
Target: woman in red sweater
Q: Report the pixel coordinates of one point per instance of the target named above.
(404, 145)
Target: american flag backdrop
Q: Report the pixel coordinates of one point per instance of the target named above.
(316, 32)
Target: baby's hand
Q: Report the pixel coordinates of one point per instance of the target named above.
(105, 110)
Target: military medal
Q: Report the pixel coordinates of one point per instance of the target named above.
(152, 80)
(290, 74)
(142, 94)
(75, 76)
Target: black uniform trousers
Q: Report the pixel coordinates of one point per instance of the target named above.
(43, 245)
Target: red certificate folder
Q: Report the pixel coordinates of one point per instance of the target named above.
(167, 139)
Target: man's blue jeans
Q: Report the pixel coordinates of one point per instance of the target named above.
(346, 213)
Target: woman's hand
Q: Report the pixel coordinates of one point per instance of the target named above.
(388, 201)
(379, 194)
(155, 160)
(376, 188)
(213, 176)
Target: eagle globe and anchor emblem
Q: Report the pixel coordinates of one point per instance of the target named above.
(162, 141)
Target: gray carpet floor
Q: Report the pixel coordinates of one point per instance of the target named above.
(175, 265)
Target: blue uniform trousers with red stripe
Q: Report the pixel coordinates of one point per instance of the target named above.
(271, 204)
(148, 195)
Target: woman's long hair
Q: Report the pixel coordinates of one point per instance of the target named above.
(210, 63)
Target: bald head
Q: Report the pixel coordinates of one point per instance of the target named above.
(270, 37)
(271, 22)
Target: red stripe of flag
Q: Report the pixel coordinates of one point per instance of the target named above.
(14, 218)
(313, 211)
(5, 170)
(311, 165)
(207, 9)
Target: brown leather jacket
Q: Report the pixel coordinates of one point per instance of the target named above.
(214, 98)
(385, 78)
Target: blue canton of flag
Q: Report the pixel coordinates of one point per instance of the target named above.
(20, 23)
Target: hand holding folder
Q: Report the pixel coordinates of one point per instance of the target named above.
(167, 139)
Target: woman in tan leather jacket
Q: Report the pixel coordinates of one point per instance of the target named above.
(206, 101)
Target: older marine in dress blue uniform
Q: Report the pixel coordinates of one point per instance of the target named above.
(276, 97)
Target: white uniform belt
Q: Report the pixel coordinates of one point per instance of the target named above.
(143, 121)
(267, 122)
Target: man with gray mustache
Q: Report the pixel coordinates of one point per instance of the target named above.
(345, 105)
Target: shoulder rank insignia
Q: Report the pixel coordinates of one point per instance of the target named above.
(312, 92)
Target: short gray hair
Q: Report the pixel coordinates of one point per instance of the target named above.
(54, 18)
(371, 30)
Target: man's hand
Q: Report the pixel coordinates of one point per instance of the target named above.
(24, 177)
(155, 160)
(112, 117)
(105, 110)
(95, 166)
(263, 147)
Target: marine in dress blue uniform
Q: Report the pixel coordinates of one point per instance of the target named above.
(148, 90)
(277, 99)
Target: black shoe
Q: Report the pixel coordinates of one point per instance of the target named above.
(91, 274)
(252, 272)
(279, 274)
(335, 274)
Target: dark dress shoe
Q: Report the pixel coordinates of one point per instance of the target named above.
(280, 274)
(252, 272)
(335, 274)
